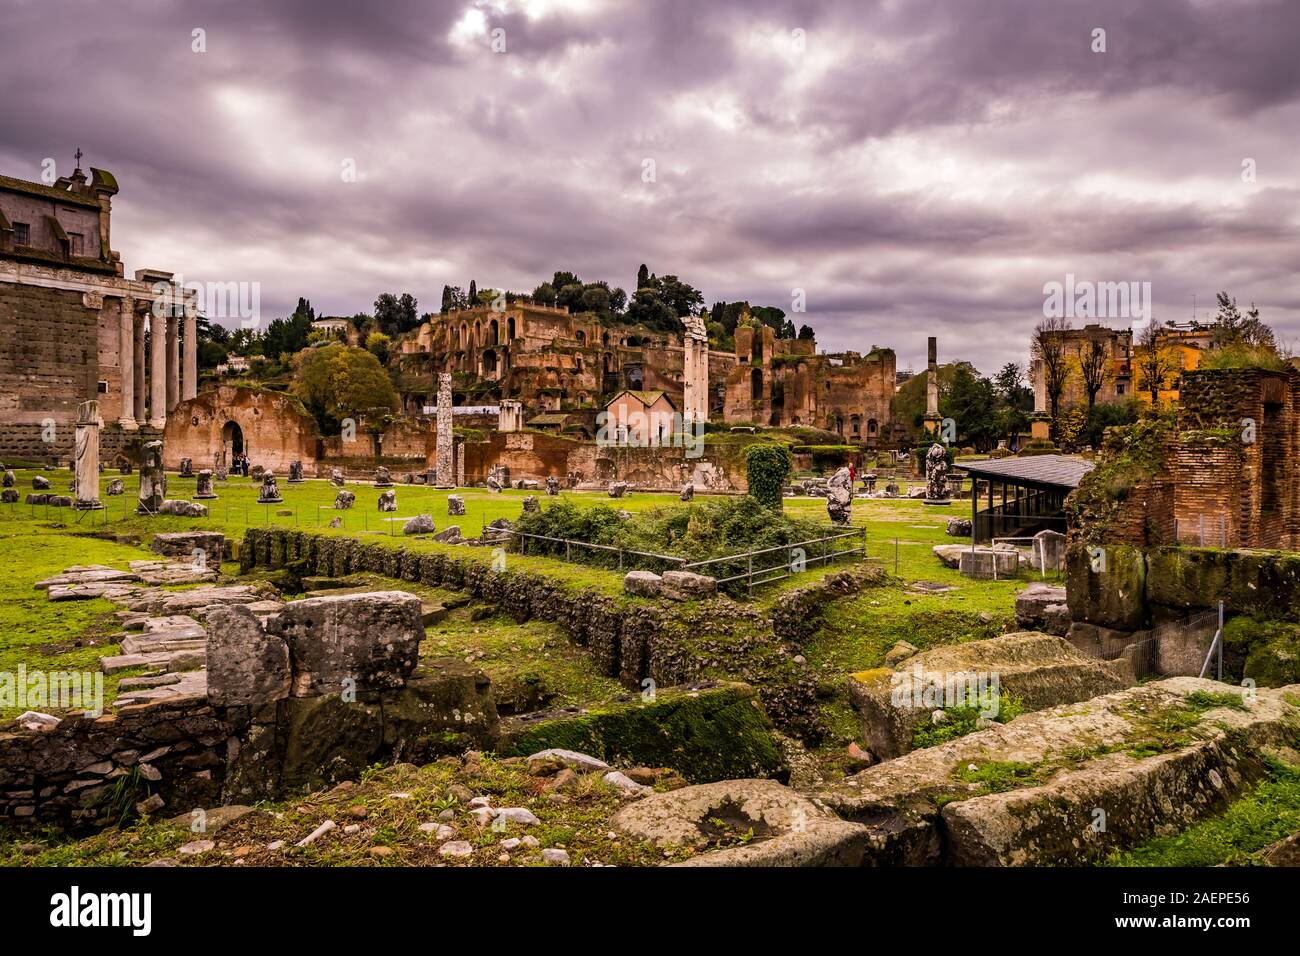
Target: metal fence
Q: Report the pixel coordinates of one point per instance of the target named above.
(797, 556)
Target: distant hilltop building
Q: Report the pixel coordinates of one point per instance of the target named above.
(74, 327)
(552, 361)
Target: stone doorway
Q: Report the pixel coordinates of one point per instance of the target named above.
(232, 441)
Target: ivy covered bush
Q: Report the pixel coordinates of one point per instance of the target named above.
(767, 468)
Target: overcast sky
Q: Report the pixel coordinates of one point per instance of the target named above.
(915, 167)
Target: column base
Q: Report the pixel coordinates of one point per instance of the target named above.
(128, 424)
(157, 423)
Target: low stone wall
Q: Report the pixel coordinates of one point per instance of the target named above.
(1125, 594)
(627, 639)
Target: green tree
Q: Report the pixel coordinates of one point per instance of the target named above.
(396, 314)
(642, 276)
(336, 382)
(544, 294)
(378, 344)
(1232, 329)
(971, 401)
(806, 332)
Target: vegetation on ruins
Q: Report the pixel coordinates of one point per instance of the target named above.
(336, 382)
(1129, 455)
(696, 532)
(767, 469)
(965, 719)
(1048, 347)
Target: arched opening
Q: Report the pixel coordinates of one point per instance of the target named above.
(489, 363)
(608, 362)
(582, 337)
(478, 333)
(493, 331)
(510, 330)
(604, 340)
(464, 335)
(756, 384)
(872, 427)
(232, 441)
(855, 425)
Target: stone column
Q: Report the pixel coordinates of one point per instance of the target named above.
(443, 449)
(86, 496)
(137, 357)
(157, 369)
(173, 361)
(932, 420)
(190, 380)
(126, 360)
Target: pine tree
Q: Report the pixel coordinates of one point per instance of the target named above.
(473, 294)
(642, 277)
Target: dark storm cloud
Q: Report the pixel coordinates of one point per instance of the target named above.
(912, 168)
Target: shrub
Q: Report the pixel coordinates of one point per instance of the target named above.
(767, 467)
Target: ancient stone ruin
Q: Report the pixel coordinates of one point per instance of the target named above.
(269, 494)
(388, 500)
(382, 478)
(295, 472)
(936, 474)
(153, 480)
(839, 498)
(203, 484)
(87, 457)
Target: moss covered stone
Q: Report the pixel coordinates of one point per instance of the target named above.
(706, 734)
(1113, 595)
(1271, 649)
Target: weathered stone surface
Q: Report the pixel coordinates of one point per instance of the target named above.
(1114, 752)
(1038, 669)
(839, 497)
(950, 554)
(383, 479)
(531, 504)
(153, 480)
(552, 485)
(420, 524)
(336, 477)
(687, 586)
(1113, 596)
(115, 487)
(899, 653)
(40, 483)
(295, 472)
(642, 583)
(344, 500)
(1033, 601)
(449, 535)
(617, 489)
(203, 485)
(388, 500)
(371, 639)
(688, 491)
(185, 509)
(789, 829)
(959, 528)
(246, 666)
(10, 496)
(936, 473)
(185, 544)
(1048, 547)
(986, 563)
(10, 479)
(455, 505)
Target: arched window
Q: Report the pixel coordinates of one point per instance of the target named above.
(872, 427)
(582, 337)
(492, 332)
(510, 329)
(855, 424)
(756, 384)
(478, 333)
(464, 335)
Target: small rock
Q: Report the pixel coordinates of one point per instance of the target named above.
(616, 779)
(530, 841)
(511, 843)
(197, 847)
(899, 653)
(275, 845)
(447, 815)
(520, 815)
(316, 834)
(352, 828)
(556, 857)
(444, 833)
(456, 848)
(379, 852)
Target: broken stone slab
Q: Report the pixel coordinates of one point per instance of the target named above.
(88, 574)
(546, 762)
(1049, 545)
(449, 535)
(455, 505)
(1033, 601)
(196, 601)
(1051, 770)
(118, 593)
(788, 829)
(959, 528)
(187, 544)
(121, 662)
(642, 583)
(950, 554)
(145, 683)
(371, 639)
(191, 686)
(617, 489)
(185, 509)
(989, 563)
(160, 573)
(246, 666)
(420, 524)
(687, 586)
(1038, 669)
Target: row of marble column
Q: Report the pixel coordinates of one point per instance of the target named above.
(167, 384)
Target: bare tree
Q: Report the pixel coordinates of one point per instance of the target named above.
(1153, 362)
(1094, 369)
(1049, 350)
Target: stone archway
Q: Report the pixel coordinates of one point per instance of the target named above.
(232, 439)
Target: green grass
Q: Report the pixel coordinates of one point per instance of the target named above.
(1267, 814)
